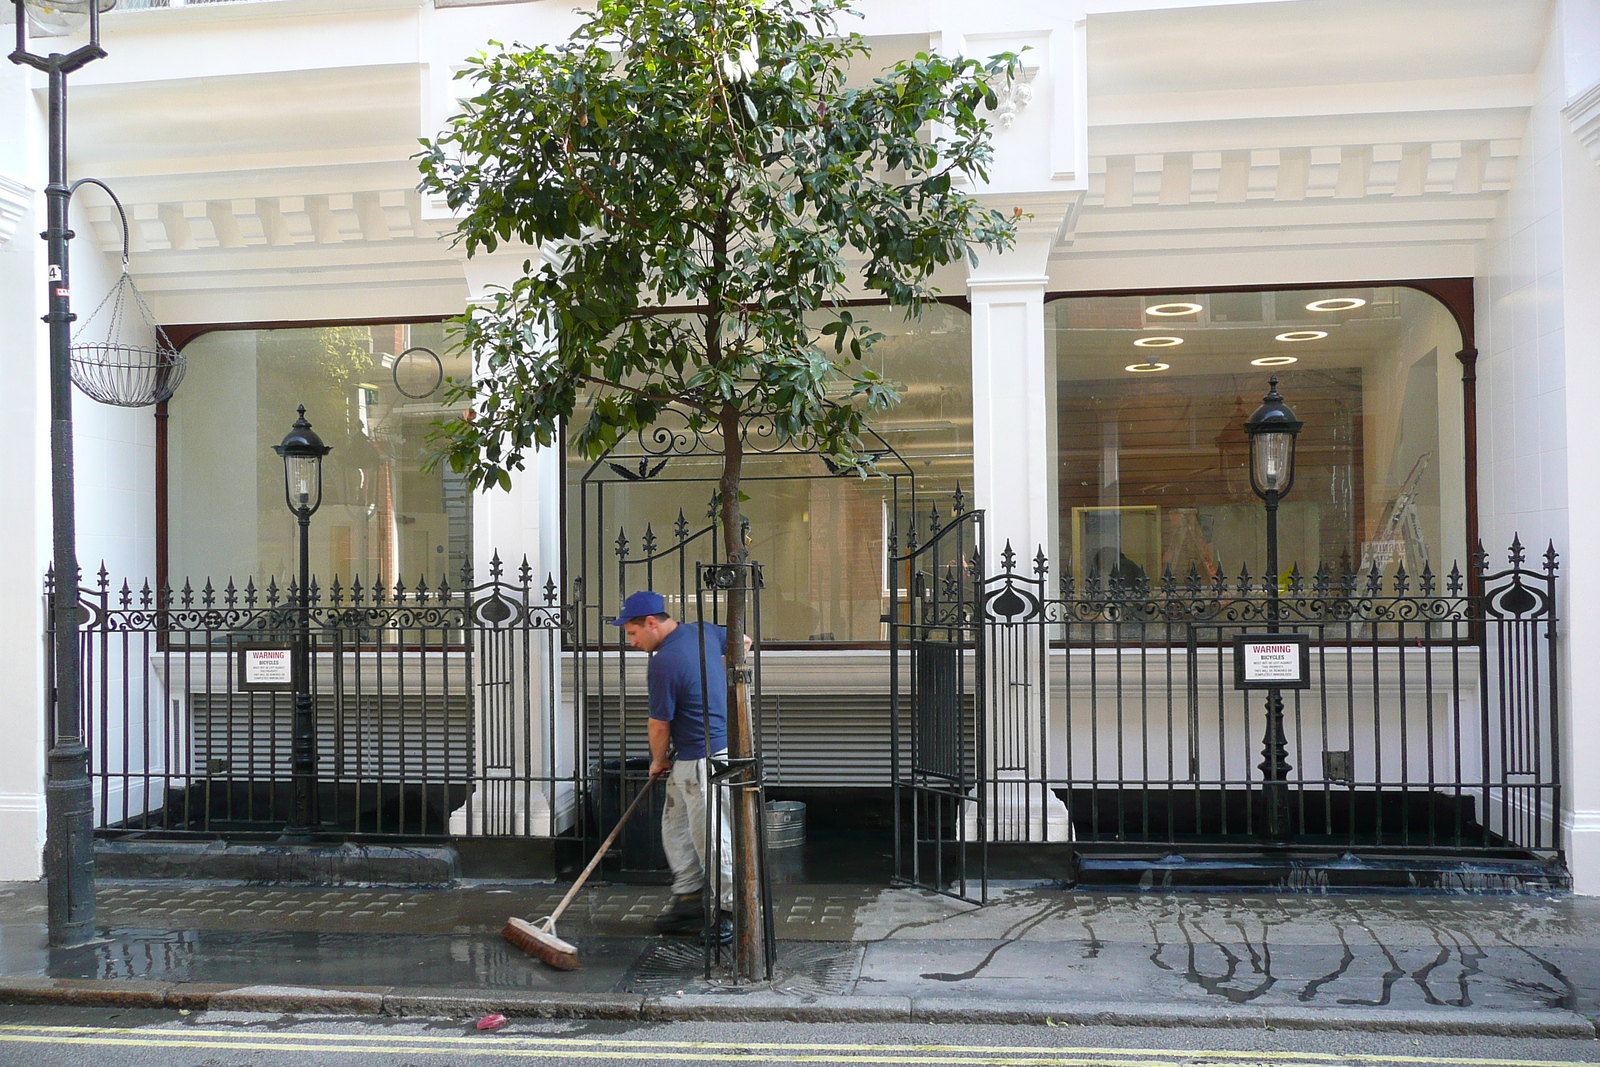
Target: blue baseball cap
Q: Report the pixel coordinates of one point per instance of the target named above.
(644, 602)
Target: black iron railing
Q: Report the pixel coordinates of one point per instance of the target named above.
(435, 707)
(1430, 720)
(1019, 707)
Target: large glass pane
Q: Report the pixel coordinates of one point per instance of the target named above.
(819, 536)
(370, 393)
(1152, 396)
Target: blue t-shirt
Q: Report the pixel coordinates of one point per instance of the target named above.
(675, 688)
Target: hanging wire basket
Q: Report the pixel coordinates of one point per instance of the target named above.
(111, 370)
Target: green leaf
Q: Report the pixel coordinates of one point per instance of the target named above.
(647, 175)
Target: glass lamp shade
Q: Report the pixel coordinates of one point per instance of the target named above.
(302, 477)
(56, 18)
(1272, 462)
(1272, 429)
(302, 451)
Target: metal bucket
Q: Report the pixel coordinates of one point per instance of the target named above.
(786, 824)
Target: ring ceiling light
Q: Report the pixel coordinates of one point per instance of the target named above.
(1336, 303)
(1274, 361)
(1181, 307)
(1146, 368)
(1303, 335)
(1162, 342)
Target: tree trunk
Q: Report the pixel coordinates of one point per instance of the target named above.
(749, 957)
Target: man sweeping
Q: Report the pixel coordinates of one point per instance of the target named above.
(681, 710)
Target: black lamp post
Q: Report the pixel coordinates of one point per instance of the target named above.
(1273, 430)
(302, 451)
(69, 801)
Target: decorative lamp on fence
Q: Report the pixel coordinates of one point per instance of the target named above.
(1273, 430)
(302, 451)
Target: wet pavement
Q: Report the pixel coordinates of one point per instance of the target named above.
(1446, 957)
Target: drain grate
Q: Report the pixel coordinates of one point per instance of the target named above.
(817, 968)
(811, 968)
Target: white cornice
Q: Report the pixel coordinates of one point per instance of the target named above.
(1349, 172)
(1050, 217)
(14, 200)
(1318, 101)
(25, 802)
(1583, 111)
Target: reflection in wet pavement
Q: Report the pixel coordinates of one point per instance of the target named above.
(323, 959)
(1438, 953)
(1350, 952)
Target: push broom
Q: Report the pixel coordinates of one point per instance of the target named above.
(540, 940)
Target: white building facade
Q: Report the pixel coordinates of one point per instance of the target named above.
(1192, 176)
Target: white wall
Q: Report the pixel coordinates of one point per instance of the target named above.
(24, 483)
(181, 141)
(115, 466)
(1538, 394)
(1566, 266)
(1522, 415)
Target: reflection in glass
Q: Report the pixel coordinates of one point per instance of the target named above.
(820, 537)
(1154, 469)
(381, 514)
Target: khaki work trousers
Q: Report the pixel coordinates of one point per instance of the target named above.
(683, 831)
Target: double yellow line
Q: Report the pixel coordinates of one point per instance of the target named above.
(568, 1048)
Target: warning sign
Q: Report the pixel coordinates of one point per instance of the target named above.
(1271, 661)
(265, 667)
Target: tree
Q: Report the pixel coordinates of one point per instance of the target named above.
(711, 154)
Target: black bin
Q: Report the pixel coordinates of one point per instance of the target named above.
(640, 843)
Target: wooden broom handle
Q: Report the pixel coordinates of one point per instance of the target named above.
(599, 854)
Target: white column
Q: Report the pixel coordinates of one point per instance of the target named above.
(1014, 471)
(517, 525)
(1567, 289)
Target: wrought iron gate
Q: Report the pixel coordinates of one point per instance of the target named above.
(1101, 712)
(614, 553)
(612, 700)
(937, 709)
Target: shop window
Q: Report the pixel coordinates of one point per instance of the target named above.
(371, 393)
(819, 537)
(1151, 396)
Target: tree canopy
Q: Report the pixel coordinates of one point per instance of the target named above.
(733, 159)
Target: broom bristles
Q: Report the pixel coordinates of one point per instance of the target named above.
(541, 944)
